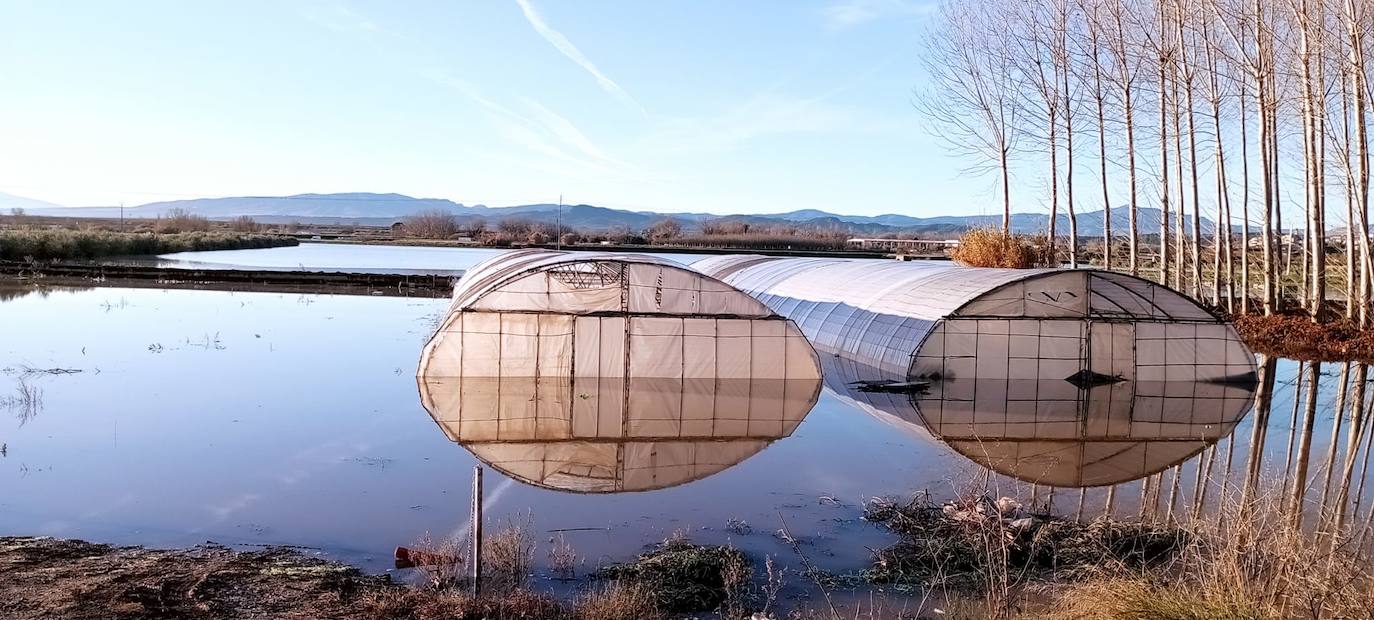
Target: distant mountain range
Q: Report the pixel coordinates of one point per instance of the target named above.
(384, 209)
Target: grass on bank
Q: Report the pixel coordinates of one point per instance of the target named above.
(974, 557)
(59, 244)
(996, 559)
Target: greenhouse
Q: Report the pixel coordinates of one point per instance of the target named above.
(601, 373)
(928, 319)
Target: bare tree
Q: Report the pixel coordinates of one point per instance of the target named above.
(974, 102)
(1215, 91)
(1127, 65)
(1041, 87)
(1095, 58)
(1062, 22)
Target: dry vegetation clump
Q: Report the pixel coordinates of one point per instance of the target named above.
(508, 555)
(986, 247)
(415, 604)
(244, 224)
(980, 543)
(684, 577)
(618, 601)
(1296, 336)
(65, 244)
(181, 221)
(435, 224)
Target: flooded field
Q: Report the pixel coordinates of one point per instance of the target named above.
(399, 259)
(174, 417)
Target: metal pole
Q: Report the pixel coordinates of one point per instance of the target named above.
(475, 560)
(559, 231)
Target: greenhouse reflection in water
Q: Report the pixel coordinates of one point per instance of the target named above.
(1053, 431)
(610, 435)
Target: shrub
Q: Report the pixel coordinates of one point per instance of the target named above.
(181, 220)
(986, 247)
(664, 230)
(244, 223)
(435, 224)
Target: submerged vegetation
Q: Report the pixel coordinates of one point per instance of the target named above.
(55, 244)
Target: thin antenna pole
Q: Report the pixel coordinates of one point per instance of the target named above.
(558, 233)
(121, 216)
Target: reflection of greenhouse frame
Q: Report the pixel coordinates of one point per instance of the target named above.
(546, 361)
(928, 319)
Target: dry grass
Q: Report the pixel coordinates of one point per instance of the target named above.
(508, 555)
(56, 244)
(617, 602)
(1111, 599)
(986, 247)
(411, 604)
(563, 559)
(1238, 562)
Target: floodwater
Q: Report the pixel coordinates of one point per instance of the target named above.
(175, 417)
(406, 260)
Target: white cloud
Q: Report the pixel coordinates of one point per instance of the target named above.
(855, 12)
(338, 17)
(768, 114)
(566, 47)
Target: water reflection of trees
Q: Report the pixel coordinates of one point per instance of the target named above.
(1278, 461)
(16, 290)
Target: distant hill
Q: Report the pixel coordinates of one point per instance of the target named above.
(10, 201)
(383, 209)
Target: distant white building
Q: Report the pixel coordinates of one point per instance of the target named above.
(903, 245)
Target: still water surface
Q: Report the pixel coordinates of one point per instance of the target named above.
(257, 418)
(408, 260)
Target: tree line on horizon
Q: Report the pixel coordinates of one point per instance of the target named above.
(1241, 108)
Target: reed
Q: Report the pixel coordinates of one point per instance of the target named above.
(65, 244)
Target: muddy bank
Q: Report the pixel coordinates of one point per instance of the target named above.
(258, 280)
(78, 580)
(51, 578)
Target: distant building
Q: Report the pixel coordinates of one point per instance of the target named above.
(916, 246)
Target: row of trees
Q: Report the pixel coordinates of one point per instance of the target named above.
(1187, 106)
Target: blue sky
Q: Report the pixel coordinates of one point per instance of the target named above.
(727, 107)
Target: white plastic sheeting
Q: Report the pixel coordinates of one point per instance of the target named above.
(612, 372)
(926, 319)
(546, 313)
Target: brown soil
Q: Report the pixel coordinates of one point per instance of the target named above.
(1296, 336)
(50, 578)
